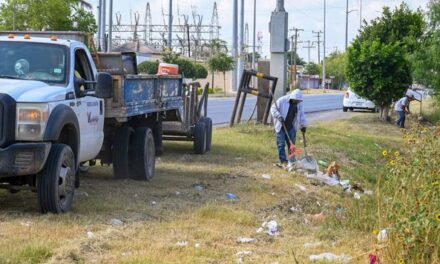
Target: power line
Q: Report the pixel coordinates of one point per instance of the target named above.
(309, 47)
(318, 42)
(293, 57)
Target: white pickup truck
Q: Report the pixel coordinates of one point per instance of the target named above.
(57, 111)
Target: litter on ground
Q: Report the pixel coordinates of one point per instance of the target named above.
(266, 176)
(330, 257)
(312, 245)
(182, 243)
(116, 222)
(231, 196)
(246, 240)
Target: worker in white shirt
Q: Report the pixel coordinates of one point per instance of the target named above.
(402, 108)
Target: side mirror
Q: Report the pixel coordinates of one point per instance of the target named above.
(104, 87)
(78, 83)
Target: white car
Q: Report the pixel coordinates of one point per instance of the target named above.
(353, 101)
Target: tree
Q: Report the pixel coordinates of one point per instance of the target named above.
(221, 63)
(335, 67)
(214, 47)
(377, 63)
(201, 71)
(38, 15)
(148, 67)
(312, 69)
(426, 60)
(299, 60)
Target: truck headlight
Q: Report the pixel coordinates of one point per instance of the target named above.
(31, 121)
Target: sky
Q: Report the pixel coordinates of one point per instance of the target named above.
(303, 14)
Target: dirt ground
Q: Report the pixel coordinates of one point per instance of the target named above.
(184, 215)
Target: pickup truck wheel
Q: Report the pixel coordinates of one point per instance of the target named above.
(56, 182)
(120, 151)
(200, 138)
(208, 124)
(344, 109)
(143, 155)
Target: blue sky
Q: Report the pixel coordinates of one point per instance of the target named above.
(305, 14)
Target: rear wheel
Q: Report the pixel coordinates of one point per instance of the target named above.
(351, 109)
(120, 151)
(208, 124)
(143, 155)
(200, 138)
(345, 109)
(56, 182)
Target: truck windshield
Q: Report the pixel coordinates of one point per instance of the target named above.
(33, 61)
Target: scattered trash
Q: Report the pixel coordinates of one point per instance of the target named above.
(266, 176)
(322, 162)
(241, 254)
(246, 240)
(197, 245)
(83, 194)
(124, 254)
(317, 217)
(296, 209)
(357, 196)
(368, 192)
(301, 187)
(312, 245)
(382, 236)
(373, 259)
(231, 196)
(116, 222)
(182, 243)
(333, 171)
(238, 158)
(90, 234)
(158, 159)
(319, 176)
(153, 203)
(273, 194)
(272, 228)
(198, 187)
(26, 224)
(177, 193)
(329, 257)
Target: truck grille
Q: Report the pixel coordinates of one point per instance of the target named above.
(7, 120)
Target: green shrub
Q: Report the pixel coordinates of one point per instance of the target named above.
(148, 67)
(409, 198)
(201, 71)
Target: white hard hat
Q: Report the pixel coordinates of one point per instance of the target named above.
(296, 95)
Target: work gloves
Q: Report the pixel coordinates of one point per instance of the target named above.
(303, 129)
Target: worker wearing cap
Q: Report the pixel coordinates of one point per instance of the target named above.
(288, 110)
(402, 108)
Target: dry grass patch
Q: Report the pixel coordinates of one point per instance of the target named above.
(159, 214)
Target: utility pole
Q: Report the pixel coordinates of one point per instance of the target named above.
(325, 33)
(318, 43)
(234, 44)
(170, 25)
(241, 43)
(14, 14)
(360, 14)
(346, 24)
(293, 57)
(309, 46)
(278, 47)
(254, 36)
(99, 24)
(110, 28)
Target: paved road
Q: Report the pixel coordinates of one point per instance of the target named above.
(220, 109)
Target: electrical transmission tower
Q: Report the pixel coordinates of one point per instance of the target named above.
(190, 37)
(309, 46)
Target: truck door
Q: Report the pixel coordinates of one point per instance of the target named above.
(90, 110)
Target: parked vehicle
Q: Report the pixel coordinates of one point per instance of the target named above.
(58, 109)
(353, 101)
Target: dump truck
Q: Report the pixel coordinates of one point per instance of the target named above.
(62, 106)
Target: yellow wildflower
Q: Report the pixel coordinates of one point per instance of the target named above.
(437, 217)
(401, 261)
(397, 154)
(375, 232)
(385, 153)
(392, 163)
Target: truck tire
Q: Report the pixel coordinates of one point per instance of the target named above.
(121, 151)
(344, 109)
(208, 124)
(157, 133)
(56, 182)
(200, 138)
(143, 155)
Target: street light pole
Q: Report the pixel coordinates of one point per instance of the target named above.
(234, 44)
(241, 43)
(255, 33)
(110, 27)
(346, 25)
(360, 14)
(325, 34)
(170, 24)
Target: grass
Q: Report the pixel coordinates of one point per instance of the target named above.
(238, 159)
